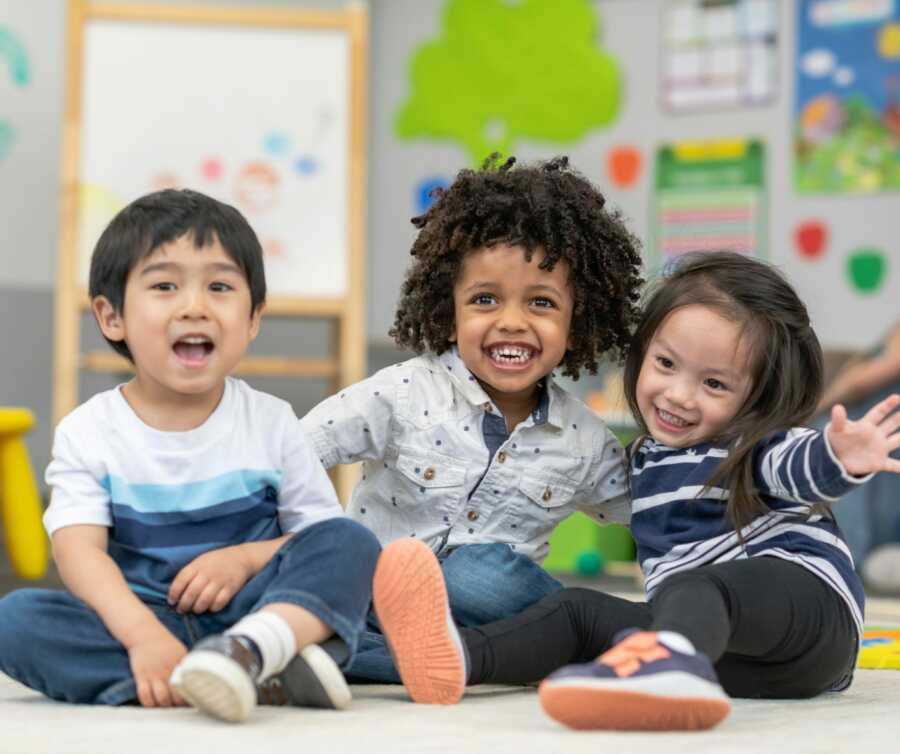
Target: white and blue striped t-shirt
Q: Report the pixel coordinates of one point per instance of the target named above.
(680, 524)
(247, 474)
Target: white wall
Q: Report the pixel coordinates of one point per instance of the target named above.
(29, 181)
(631, 32)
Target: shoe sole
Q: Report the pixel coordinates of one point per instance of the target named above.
(215, 684)
(319, 681)
(607, 709)
(410, 600)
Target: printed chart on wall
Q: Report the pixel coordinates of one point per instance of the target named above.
(718, 53)
(710, 195)
(847, 107)
(280, 155)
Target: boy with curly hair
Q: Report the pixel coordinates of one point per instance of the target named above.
(472, 447)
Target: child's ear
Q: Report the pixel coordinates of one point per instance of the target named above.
(255, 320)
(452, 336)
(111, 323)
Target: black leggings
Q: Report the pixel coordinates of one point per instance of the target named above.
(771, 628)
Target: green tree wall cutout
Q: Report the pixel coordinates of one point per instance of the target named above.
(502, 71)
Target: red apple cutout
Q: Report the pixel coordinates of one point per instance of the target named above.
(811, 238)
(623, 164)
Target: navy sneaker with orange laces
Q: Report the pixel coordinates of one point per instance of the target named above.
(649, 680)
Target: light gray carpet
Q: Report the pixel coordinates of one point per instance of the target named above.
(492, 720)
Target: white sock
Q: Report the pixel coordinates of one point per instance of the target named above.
(676, 641)
(272, 635)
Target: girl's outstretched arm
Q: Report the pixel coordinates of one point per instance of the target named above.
(865, 446)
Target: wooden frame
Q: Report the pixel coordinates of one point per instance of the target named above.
(347, 363)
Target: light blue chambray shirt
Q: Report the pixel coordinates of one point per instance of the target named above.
(439, 465)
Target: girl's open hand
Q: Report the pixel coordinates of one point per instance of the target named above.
(864, 446)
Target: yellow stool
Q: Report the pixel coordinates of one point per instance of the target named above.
(19, 500)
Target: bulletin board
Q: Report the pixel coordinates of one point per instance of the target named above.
(262, 109)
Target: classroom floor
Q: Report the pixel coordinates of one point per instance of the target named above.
(490, 719)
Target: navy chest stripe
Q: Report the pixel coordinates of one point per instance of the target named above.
(229, 527)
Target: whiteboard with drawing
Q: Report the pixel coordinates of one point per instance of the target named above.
(257, 117)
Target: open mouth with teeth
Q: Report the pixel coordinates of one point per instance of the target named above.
(671, 421)
(193, 350)
(511, 357)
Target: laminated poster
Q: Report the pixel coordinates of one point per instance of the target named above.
(847, 101)
(710, 195)
(718, 54)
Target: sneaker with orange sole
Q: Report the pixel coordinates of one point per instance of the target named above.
(410, 600)
(649, 680)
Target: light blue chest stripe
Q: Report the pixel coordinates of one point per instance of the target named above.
(160, 498)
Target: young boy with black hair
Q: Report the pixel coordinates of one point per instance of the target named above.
(188, 510)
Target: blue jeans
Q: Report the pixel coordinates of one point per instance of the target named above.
(484, 583)
(55, 644)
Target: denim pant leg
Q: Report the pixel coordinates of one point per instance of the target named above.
(54, 643)
(373, 661)
(490, 582)
(484, 583)
(326, 568)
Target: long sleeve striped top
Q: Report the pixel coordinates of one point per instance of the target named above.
(680, 524)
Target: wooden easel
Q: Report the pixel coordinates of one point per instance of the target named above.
(347, 362)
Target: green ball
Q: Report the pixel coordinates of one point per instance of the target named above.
(589, 563)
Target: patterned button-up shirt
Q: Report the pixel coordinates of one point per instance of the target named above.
(439, 464)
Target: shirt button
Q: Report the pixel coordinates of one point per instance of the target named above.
(548, 493)
(472, 516)
(501, 457)
(429, 474)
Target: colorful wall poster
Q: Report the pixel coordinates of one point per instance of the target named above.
(710, 195)
(718, 53)
(847, 106)
(501, 72)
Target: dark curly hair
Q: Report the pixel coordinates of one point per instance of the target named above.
(545, 206)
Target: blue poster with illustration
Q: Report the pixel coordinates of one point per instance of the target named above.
(847, 106)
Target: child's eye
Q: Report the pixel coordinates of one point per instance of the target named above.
(543, 303)
(664, 362)
(484, 299)
(715, 384)
(163, 286)
(220, 287)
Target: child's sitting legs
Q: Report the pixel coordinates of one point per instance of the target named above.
(484, 582)
(488, 582)
(312, 590)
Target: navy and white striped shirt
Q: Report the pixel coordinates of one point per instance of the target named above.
(247, 474)
(679, 524)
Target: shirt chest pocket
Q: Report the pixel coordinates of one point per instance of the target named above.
(430, 477)
(545, 498)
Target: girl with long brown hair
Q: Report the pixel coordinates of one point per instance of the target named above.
(751, 588)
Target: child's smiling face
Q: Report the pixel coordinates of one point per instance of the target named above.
(511, 319)
(186, 318)
(694, 378)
